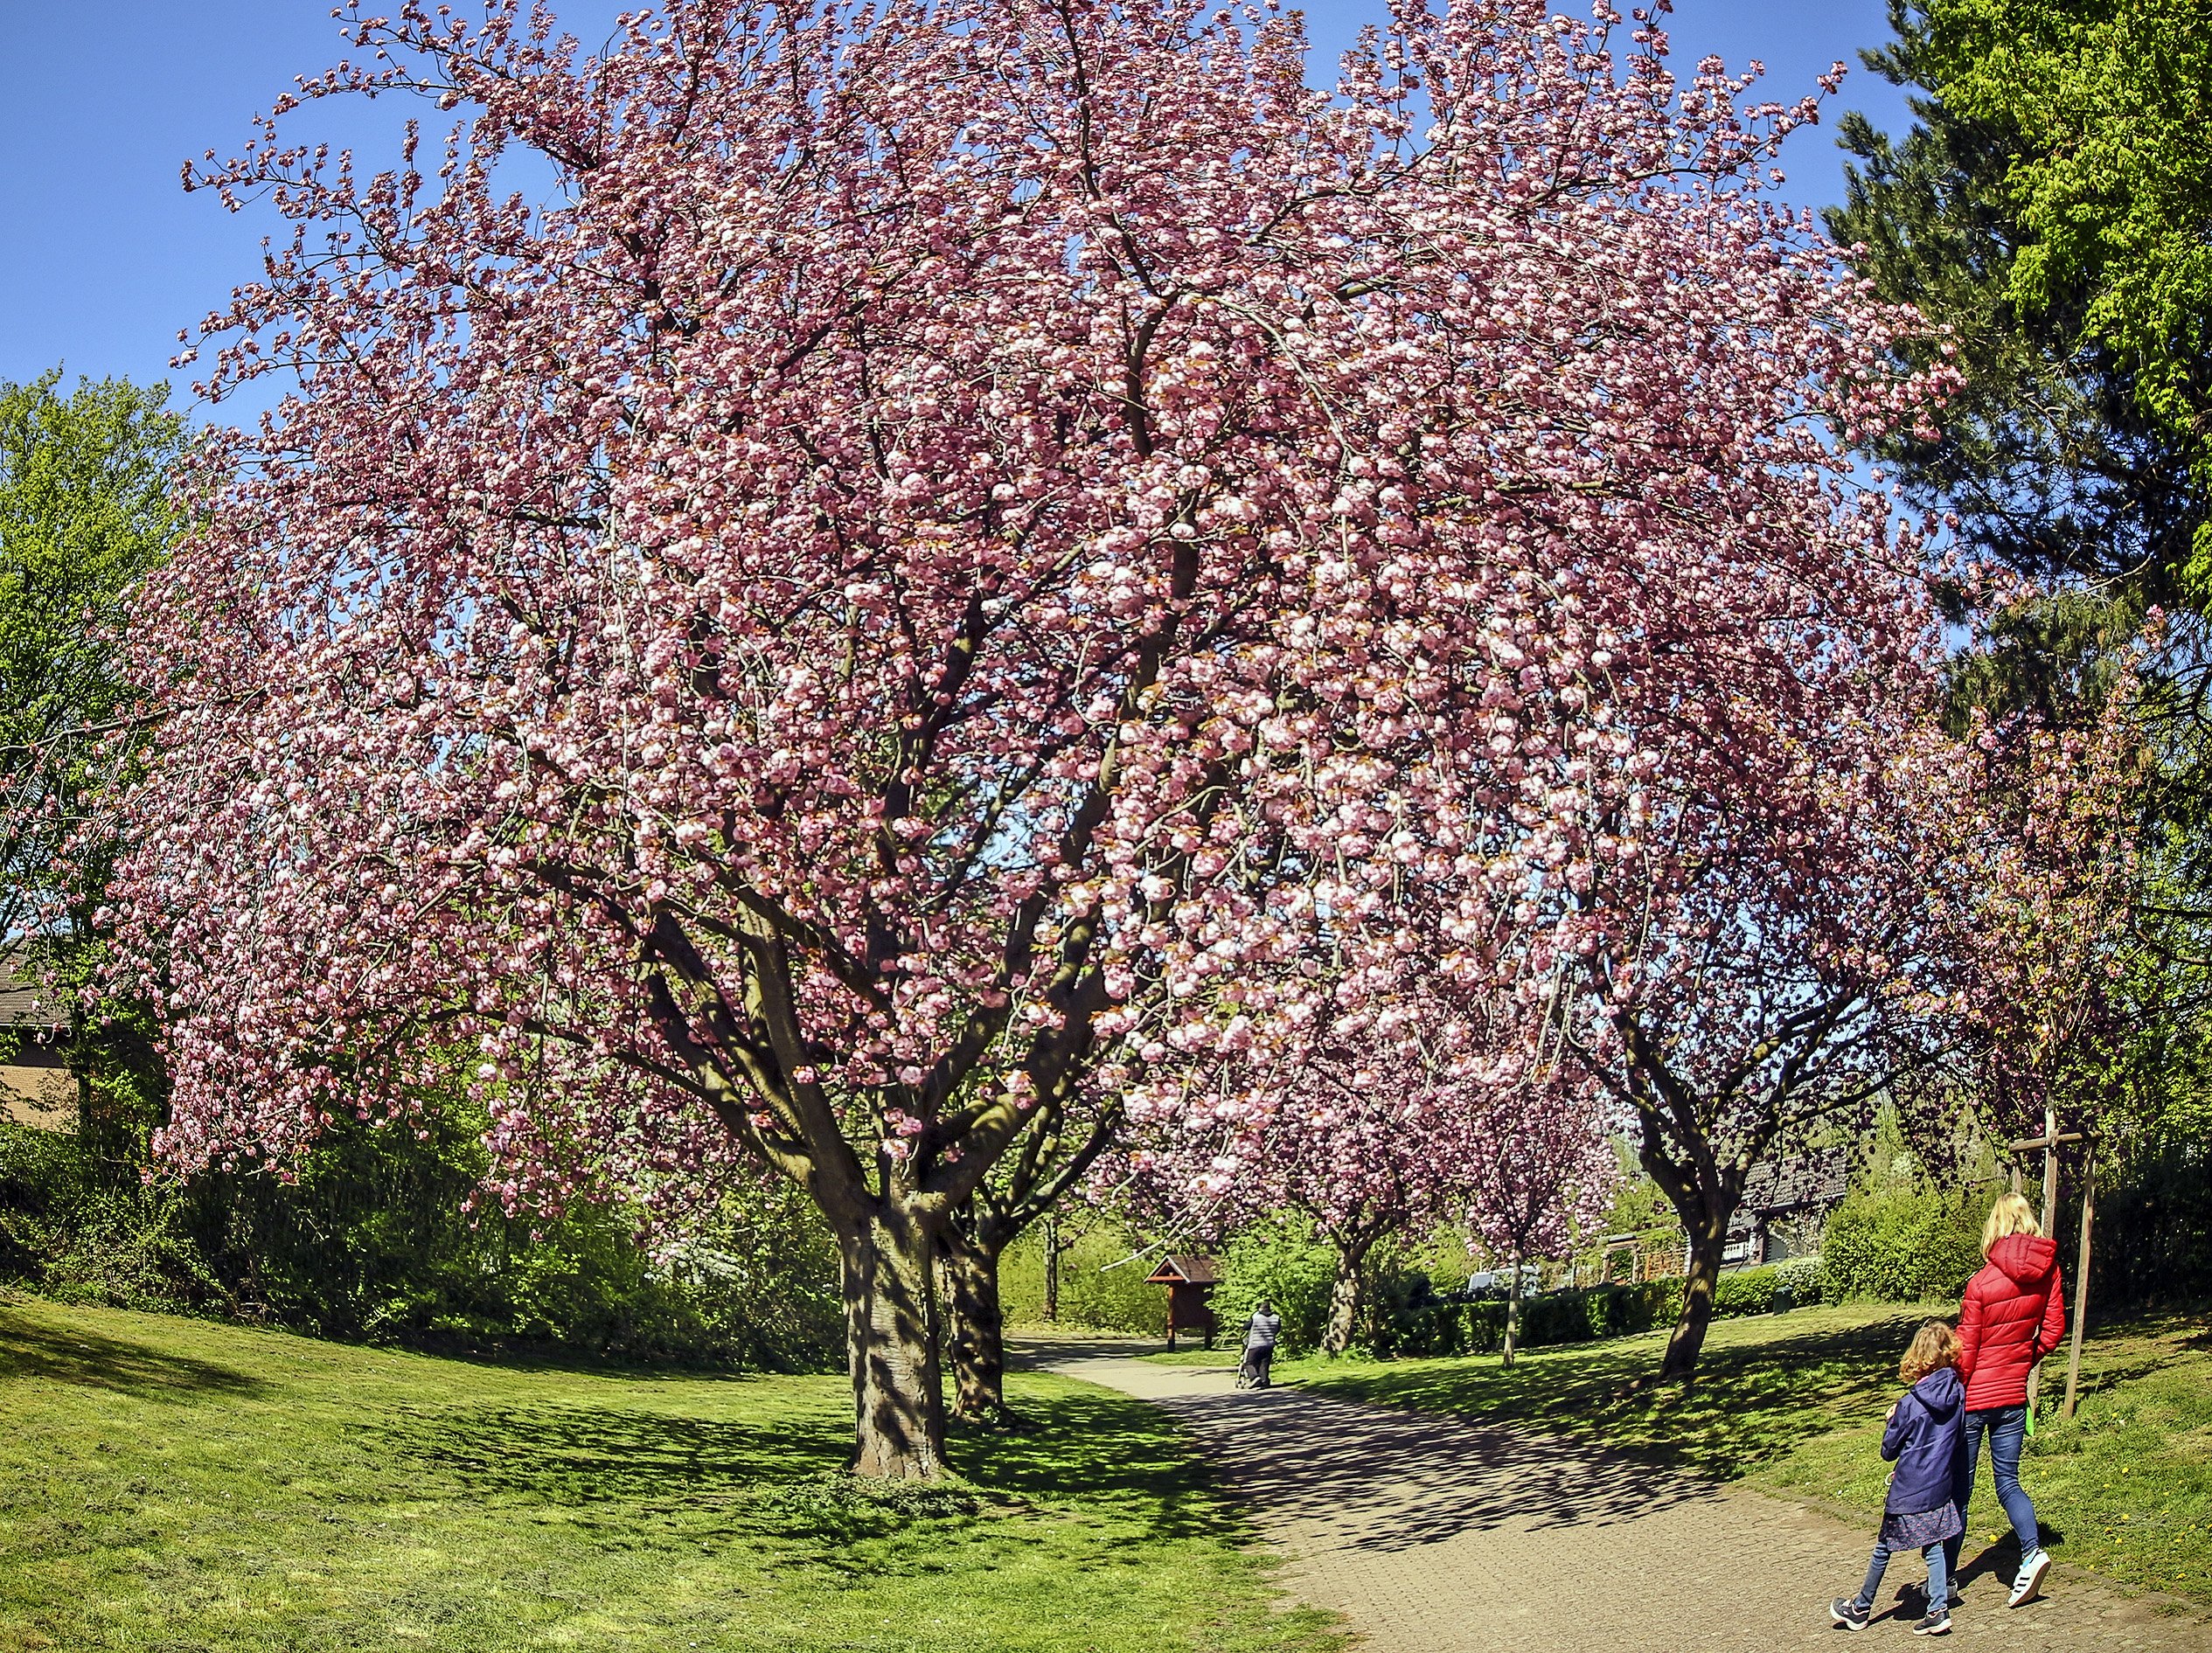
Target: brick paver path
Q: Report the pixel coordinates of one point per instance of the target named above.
(1431, 1535)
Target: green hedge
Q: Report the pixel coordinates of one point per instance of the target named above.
(1447, 1328)
(1903, 1245)
(371, 1242)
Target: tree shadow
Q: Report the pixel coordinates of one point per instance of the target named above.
(1750, 1405)
(577, 1458)
(642, 1480)
(1390, 1481)
(1119, 1455)
(31, 1350)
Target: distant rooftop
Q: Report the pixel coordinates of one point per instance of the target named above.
(1802, 1182)
(26, 1004)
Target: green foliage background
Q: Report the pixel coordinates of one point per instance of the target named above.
(1100, 1287)
(371, 1241)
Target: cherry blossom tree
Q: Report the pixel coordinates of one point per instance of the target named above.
(1365, 1151)
(1542, 1172)
(1789, 953)
(1368, 1133)
(954, 543)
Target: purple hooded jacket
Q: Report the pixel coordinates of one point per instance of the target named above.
(1925, 1440)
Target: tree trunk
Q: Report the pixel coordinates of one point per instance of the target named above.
(1513, 1311)
(1052, 1269)
(1708, 1240)
(892, 1346)
(977, 1342)
(1344, 1297)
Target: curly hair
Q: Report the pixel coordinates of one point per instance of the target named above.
(1934, 1346)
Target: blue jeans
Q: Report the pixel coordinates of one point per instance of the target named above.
(1939, 1577)
(2008, 1429)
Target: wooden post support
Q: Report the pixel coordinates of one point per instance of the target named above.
(2081, 1280)
(2049, 1142)
(2050, 1170)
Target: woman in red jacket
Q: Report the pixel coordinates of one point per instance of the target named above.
(2012, 1316)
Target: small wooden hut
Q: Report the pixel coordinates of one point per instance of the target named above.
(1190, 1282)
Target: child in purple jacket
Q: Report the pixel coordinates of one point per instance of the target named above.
(1925, 1436)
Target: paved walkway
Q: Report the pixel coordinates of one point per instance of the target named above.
(1435, 1536)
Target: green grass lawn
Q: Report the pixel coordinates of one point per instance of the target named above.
(174, 1485)
(1795, 1403)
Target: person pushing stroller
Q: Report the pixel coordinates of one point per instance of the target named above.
(1262, 1333)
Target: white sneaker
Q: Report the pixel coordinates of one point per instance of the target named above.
(2029, 1583)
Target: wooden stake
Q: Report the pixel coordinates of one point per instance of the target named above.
(2081, 1279)
(2051, 1170)
(2049, 1142)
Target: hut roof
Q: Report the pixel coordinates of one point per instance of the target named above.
(1184, 1271)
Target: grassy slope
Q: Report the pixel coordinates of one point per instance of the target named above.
(1795, 1402)
(171, 1484)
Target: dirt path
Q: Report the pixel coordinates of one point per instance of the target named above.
(1435, 1536)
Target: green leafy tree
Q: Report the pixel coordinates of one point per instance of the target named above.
(2110, 181)
(85, 512)
(2049, 459)
(2049, 208)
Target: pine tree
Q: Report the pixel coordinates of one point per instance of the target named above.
(2047, 461)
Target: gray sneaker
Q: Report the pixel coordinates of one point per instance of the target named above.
(1934, 1624)
(2029, 1583)
(1847, 1612)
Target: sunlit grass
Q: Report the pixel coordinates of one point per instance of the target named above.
(174, 1485)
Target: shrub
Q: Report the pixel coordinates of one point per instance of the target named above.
(371, 1242)
(1462, 1328)
(1099, 1286)
(1901, 1245)
(1798, 1283)
(1281, 1260)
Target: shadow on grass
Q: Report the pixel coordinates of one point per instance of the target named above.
(1751, 1403)
(575, 1457)
(636, 1479)
(29, 1350)
(1110, 1453)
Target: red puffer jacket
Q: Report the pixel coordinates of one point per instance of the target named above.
(2012, 1318)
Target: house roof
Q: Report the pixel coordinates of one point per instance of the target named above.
(26, 1004)
(1801, 1182)
(1184, 1271)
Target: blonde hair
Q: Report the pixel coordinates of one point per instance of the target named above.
(1934, 1346)
(2011, 1214)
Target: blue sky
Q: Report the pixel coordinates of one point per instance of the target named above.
(103, 257)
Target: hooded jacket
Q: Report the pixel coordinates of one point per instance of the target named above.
(1925, 1438)
(2011, 1317)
